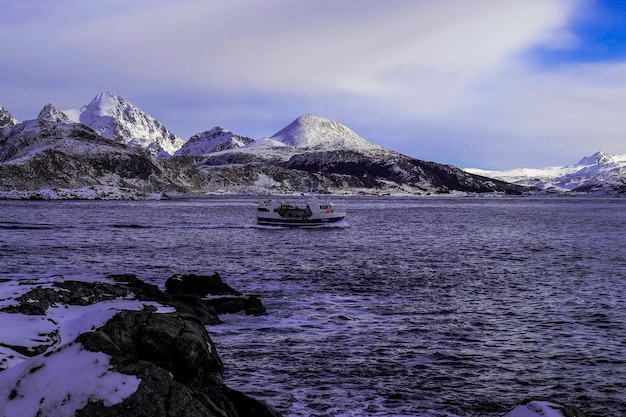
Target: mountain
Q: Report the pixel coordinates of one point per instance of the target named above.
(40, 154)
(598, 173)
(315, 153)
(315, 132)
(114, 118)
(52, 114)
(111, 143)
(6, 120)
(213, 140)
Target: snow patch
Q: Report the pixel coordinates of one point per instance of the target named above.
(536, 409)
(62, 383)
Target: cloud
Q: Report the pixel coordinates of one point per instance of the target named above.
(455, 81)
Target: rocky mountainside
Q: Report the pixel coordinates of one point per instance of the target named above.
(314, 153)
(599, 173)
(111, 143)
(114, 118)
(6, 120)
(213, 140)
(40, 154)
(118, 346)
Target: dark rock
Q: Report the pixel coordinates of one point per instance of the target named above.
(142, 290)
(196, 306)
(34, 302)
(254, 306)
(228, 305)
(198, 285)
(179, 368)
(178, 343)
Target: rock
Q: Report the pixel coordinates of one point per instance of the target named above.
(142, 290)
(200, 308)
(198, 285)
(254, 306)
(228, 305)
(539, 408)
(179, 368)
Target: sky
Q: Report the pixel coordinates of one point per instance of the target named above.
(492, 84)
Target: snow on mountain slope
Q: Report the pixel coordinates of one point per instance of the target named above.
(597, 171)
(6, 120)
(115, 118)
(213, 140)
(34, 136)
(310, 131)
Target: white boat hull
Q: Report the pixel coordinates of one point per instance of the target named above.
(275, 213)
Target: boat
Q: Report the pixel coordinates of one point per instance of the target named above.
(272, 212)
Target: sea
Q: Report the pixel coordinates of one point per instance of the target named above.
(411, 306)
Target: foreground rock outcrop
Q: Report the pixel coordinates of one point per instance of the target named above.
(118, 347)
(540, 408)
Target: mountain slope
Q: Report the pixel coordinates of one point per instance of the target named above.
(600, 172)
(40, 154)
(114, 118)
(320, 154)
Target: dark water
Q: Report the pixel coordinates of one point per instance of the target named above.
(413, 306)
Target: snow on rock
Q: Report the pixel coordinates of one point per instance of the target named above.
(67, 376)
(543, 409)
(310, 131)
(115, 118)
(213, 140)
(33, 388)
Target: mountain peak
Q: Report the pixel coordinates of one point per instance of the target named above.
(601, 158)
(6, 120)
(311, 131)
(213, 140)
(115, 118)
(52, 114)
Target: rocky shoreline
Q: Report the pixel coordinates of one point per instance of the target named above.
(122, 347)
(156, 349)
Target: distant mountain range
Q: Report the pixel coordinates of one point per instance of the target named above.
(110, 144)
(599, 173)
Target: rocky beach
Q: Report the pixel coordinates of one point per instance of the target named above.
(123, 347)
(118, 347)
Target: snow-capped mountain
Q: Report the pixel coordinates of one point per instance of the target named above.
(599, 172)
(114, 118)
(6, 120)
(90, 147)
(315, 132)
(52, 114)
(213, 140)
(321, 154)
(40, 154)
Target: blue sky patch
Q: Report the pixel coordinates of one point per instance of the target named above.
(600, 32)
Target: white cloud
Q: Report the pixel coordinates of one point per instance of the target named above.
(455, 69)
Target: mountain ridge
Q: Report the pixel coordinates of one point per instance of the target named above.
(117, 119)
(600, 172)
(311, 153)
